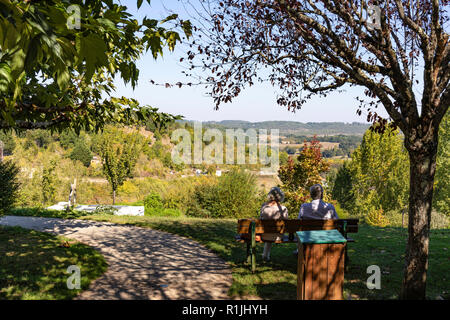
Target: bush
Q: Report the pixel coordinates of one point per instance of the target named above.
(82, 153)
(235, 195)
(9, 185)
(153, 204)
(377, 218)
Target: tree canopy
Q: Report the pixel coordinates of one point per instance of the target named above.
(59, 59)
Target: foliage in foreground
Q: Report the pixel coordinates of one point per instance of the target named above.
(56, 72)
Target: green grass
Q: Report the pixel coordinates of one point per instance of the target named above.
(34, 264)
(384, 247)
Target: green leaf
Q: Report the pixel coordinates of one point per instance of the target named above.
(63, 79)
(92, 49)
(170, 18)
(187, 28)
(5, 77)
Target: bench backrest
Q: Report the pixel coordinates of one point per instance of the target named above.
(293, 225)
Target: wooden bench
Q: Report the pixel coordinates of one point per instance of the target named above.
(249, 231)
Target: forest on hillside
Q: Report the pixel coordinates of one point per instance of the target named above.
(293, 127)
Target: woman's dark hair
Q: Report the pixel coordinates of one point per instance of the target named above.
(275, 194)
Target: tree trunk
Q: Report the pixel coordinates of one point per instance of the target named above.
(422, 170)
(114, 197)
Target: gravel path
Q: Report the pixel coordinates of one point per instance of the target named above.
(142, 263)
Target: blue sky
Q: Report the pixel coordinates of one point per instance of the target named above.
(257, 103)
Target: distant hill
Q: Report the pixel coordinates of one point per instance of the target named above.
(293, 127)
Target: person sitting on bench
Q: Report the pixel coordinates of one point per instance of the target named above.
(272, 209)
(317, 208)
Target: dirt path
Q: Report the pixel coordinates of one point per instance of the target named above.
(143, 263)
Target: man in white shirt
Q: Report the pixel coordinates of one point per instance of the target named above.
(317, 208)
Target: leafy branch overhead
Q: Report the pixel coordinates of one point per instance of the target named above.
(55, 75)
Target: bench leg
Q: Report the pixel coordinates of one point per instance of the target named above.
(253, 246)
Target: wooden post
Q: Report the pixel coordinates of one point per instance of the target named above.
(320, 269)
(300, 272)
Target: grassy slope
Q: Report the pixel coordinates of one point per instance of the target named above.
(34, 264)
(277, 279)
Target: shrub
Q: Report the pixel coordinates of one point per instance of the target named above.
(377, 218)
(82, 153)
(153, 204)
(9, 185)
(235, 195)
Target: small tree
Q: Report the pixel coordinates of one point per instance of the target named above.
(380, 166)
(342, 187)
(119, 152)
(48, 183)
(298, 176)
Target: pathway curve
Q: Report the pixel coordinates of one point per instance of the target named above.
(142, 263)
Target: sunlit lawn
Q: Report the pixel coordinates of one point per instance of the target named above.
(384, 247)
(33, 265)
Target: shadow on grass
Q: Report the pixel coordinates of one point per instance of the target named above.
(34, 265)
